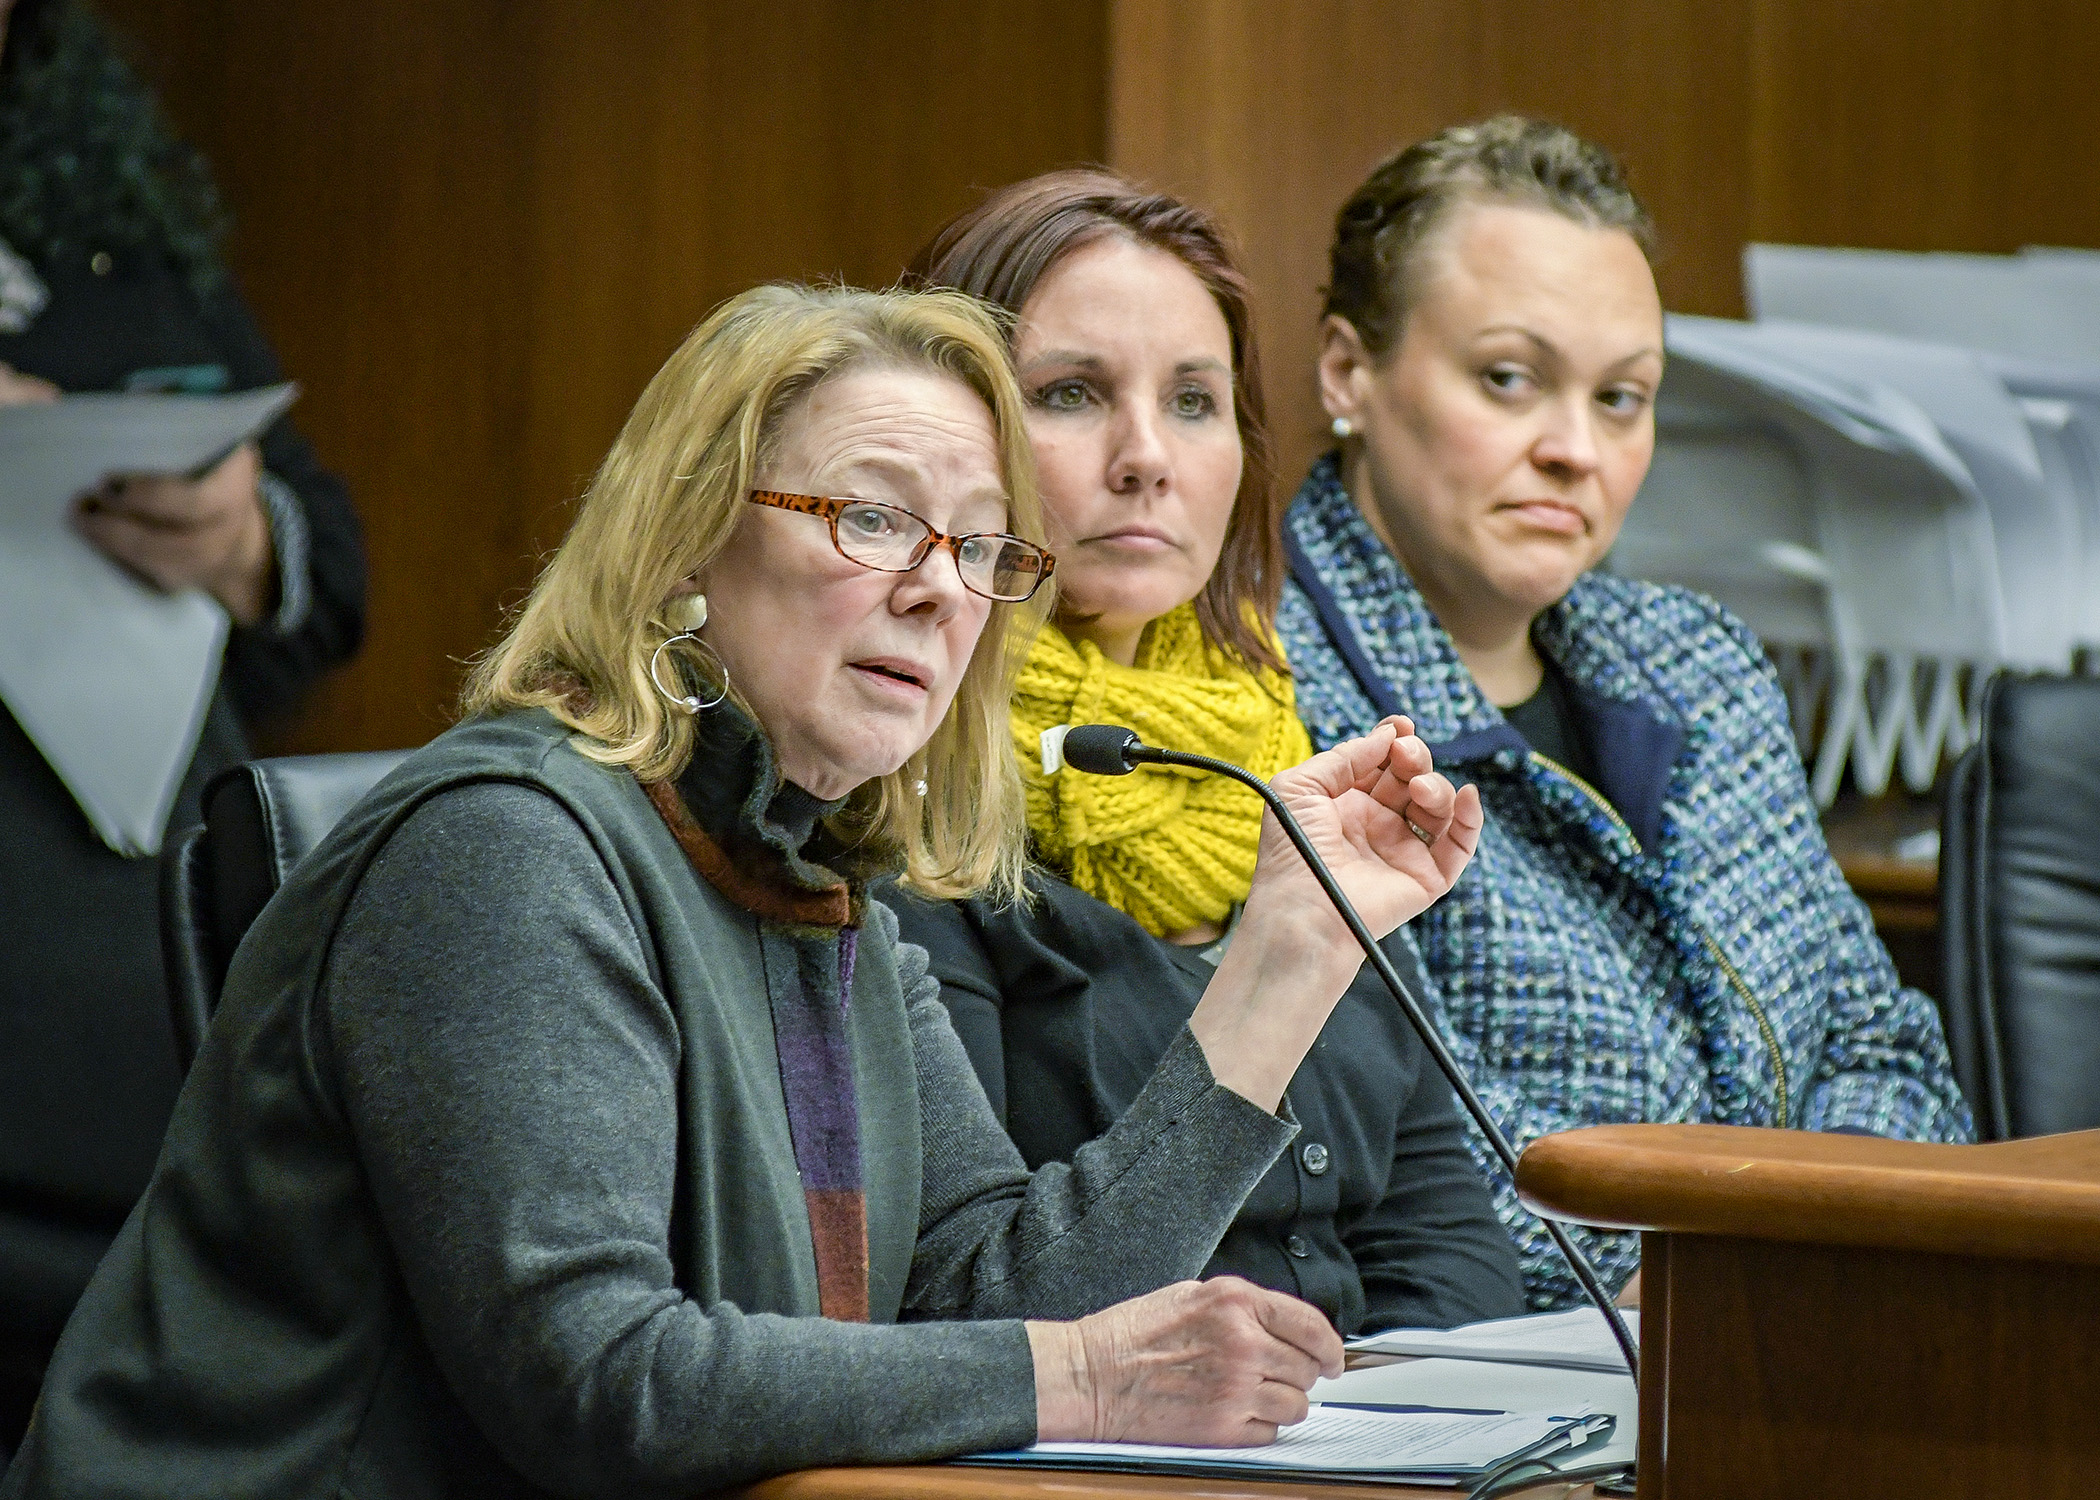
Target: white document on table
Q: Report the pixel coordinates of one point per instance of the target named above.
(109, 677)
(1456, 1384)
(1337, 1440)
(1577, 1340)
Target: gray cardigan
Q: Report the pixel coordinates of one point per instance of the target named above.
(482, 1182)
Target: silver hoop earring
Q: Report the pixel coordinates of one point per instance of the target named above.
(689, 702)
(1342, 428)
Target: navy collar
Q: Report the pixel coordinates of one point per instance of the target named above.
(1385, 634)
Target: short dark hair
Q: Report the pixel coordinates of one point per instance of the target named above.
(1380, 231)
(1000, 251)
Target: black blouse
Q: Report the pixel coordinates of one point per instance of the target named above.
(1551, 722)
(1376, 1215)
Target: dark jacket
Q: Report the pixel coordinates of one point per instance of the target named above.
(1377, 1216)
(483, 1181)
(87, 1066)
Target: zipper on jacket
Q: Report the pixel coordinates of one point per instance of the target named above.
(1734, 975)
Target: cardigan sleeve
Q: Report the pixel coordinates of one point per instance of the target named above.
(510, 1079)
(1142, 1206)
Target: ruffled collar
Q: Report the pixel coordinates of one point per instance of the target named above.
(735, 791)
(758, 839)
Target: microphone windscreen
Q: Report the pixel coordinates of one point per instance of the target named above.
(1098, 749)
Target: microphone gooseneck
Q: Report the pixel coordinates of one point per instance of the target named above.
(1112, 750)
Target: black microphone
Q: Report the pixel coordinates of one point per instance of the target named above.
(1112, 750)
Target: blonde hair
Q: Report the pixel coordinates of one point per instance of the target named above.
(665, 502)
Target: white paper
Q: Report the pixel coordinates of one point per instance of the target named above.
(1578, 1340)
(1348, 1441)
(1470, 1384)
(2038, 305)
(109, 677)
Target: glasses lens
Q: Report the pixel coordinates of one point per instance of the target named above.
(880, 536)
(1003, 567)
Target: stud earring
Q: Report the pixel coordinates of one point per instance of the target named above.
(1342, 428)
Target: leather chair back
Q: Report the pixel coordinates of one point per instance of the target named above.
(2020, 909)
(260, 818)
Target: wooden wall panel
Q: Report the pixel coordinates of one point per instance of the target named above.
(475, 228)
(1915, 124)
(1928, 124)
(1273, 111)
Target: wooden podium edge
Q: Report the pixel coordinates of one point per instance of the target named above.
(2035, 1199)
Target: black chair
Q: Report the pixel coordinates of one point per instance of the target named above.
(260, 817)
(2020, 909)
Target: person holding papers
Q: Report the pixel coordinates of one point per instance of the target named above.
(1655, 929)
(111, 279)
(1135, 347)
(572, 1122)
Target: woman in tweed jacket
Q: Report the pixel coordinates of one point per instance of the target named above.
(1653, 928)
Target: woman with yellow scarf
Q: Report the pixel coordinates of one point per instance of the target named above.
(1135, 347)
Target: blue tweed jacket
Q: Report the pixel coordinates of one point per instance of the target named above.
(1674, 945)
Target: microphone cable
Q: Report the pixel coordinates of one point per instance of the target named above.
(1112, 750)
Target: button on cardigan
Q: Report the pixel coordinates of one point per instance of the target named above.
(1380, 1222)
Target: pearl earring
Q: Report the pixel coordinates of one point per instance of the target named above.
(1342, 428)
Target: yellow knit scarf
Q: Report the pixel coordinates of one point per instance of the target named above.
(1172, 848)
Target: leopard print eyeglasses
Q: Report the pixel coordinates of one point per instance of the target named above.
(891, 539)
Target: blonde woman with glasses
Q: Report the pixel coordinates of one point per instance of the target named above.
(573, 1123)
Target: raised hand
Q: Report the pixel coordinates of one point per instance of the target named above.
(1393, 831)
(1214, 1364)
(1395, 835)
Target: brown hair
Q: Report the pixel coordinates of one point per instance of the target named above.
(1380, 231)
(1001, 250)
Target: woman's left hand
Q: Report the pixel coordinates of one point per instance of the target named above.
(1396, 837)
(17, 389)
(210, 533)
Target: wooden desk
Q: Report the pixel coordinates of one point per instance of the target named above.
(946, 1482)
(1890, 1319)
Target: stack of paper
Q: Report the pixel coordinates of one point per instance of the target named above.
(1399, 1447)
(109, 678)
(1576, 1340)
